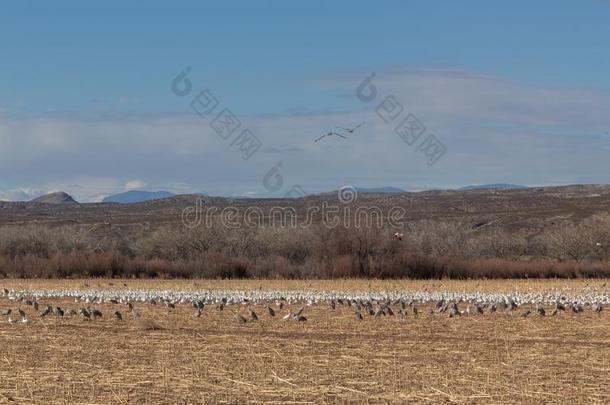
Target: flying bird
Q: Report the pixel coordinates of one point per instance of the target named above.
(331, 133)
(351, 130)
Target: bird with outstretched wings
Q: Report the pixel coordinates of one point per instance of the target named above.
(331, 133)
(351, 130)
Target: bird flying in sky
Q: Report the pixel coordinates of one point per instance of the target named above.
(351, 130)
(331, 133)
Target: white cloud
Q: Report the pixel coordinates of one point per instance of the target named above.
(495, 130)
(134, 185)
(19, 194)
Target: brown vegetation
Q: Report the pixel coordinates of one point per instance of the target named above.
(429, 249)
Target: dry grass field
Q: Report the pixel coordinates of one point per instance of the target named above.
(488, 358)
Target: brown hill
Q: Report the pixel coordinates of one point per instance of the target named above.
(55, 198)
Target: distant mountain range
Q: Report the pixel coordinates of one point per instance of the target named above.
(134, 196)
(500, 186)
(386, 189)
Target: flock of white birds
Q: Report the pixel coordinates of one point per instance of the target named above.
(375, 304)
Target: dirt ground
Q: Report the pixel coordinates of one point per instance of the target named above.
(332, 357)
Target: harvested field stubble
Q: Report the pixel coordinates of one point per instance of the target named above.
(493, 357)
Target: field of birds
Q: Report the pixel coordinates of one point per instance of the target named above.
(113, 341)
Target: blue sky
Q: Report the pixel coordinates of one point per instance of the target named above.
(89, 85)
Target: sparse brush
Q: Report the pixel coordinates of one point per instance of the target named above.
(429, 249)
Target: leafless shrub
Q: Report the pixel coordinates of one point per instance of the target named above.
(569, 241)
(495, 244)
(429, 249)
(42, 241)
(438, 239)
